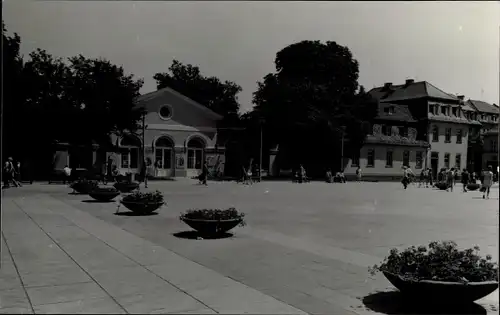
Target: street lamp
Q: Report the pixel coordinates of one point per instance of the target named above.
(144, 150)
(342, 130)
(261, 123)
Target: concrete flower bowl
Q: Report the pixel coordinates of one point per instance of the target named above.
(442, 186)
(125, 187)
(212, 227)
(83, 187)
(104, 195)
(141, 207)
(442, 292)
(473, 187)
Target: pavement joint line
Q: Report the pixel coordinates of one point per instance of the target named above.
(181, 290)
(57, 285)
(18, 274)
(70, 257)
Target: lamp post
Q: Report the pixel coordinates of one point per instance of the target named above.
(342, 130)
(261, 122)
(144, 165)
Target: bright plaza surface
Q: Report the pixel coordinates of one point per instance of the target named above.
(306, 248)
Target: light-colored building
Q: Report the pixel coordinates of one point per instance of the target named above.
(180, 135)
(439, 132)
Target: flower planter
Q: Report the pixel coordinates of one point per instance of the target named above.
(211, 227)
(473, 187)
(104, 194)
(83, 187)
(126, 187)
(142, 207)
(442, 185)
(442, 292)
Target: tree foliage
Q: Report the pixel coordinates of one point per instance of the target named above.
(310, 100)
(221, 97)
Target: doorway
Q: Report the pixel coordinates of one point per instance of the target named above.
(434, 163)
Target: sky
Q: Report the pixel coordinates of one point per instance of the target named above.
(453, 45)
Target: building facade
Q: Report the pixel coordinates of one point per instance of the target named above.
(438, 138)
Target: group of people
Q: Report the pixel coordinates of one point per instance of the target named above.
(11, 173)
(339, 177)
(451, 176)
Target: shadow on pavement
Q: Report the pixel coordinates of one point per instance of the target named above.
(135, 214)
(193, 235)
(393, 302)
(97, 201)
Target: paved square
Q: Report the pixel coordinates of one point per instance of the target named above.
(306, 247)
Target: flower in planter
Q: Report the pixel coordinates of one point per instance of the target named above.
(214, 214)
(149, 197)
(439, 261)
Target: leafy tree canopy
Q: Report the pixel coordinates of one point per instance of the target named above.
(311, 98)
(221, 97)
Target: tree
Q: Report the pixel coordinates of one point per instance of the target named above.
(221, 97)
(12, 65)
(104, 96)
(311, 97)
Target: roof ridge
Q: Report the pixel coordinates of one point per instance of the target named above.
(453, 96)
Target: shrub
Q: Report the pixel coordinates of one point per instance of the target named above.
(105, 189)
(439, 262)
(150, 197)
(214, 214)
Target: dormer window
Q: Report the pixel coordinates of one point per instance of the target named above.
(389, 110)
(454, 111)
(431, 109)
(443, 110)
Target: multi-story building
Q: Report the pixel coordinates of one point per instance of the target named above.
(483, 145)
(439, 129)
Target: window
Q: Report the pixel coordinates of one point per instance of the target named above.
(355, 159)
(435, 134)
(432, 109)
(419, 159)
(482, 116)
(454, 111)
(195, 154)
(443, 110)
(129, 152)
(403, 132)
(388, 158)
(406, 158)
(493, 145)
(447, 160)
(370, 159)
(389, 110)
(458, 160)
(163, 153)
(447, 135)
(459, 136)
(165, 112)
(386, 130)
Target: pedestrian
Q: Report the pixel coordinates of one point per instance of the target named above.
(465, 179)
(450, 179)
(421, 180)
(204, 174)
(67, 174)
(487, 182)
(329, 176)
(358, 173)
(9, 173)
(17, 171)
(406, 177)
(430, 177)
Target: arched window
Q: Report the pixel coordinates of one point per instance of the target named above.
(195, 148)
(435, 134)
(163, 153)
(130, 151)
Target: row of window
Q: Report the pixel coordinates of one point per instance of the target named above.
(387, 131)
(163, 158)
(447, 135)
(456, 112)
(389, 159)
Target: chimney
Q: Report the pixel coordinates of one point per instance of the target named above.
(461, 97)
(387, 85)
(409, 81)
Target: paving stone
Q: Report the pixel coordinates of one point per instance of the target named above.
(90, 306)
(14, 298)
(54, 275)
(65, 293)
(165, 301)
(16, 310)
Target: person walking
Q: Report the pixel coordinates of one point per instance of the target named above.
(358, 173)
(465, 179)
(9, 173)
(487, 182)
(17, 174)
(450, 179)
(204, 174)
(406, 177)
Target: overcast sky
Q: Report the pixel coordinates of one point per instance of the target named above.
(453, 45)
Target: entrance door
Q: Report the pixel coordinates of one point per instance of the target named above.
(434, 164)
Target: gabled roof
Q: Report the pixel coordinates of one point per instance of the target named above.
(483, 107)
(151, 95)
(401, 113)
(422, 89)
